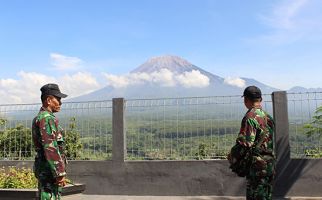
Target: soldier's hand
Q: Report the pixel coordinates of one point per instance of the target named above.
(61, 181)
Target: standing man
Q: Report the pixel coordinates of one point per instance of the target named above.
(50, 161)
(256, 137)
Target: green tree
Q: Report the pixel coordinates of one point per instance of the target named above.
(15, 142)
(72, 141)
(314, 128)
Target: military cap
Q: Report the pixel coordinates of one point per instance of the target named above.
(52, 89)
(252, 92)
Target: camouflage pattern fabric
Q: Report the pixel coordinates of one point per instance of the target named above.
(241, 162)
(257, 136)
(48, 190)
(260, 179)
(50, 158)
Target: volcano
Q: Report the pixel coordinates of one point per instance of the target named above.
(170, 77)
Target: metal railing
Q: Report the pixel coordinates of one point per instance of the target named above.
(184, 128)
(167, 129)
(301, 109)
(90, 124)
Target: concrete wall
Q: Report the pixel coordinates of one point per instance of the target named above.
(213, 177)
(153, 177)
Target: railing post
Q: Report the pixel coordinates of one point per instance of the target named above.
(282, 144)
(118, 129)
(280, 112)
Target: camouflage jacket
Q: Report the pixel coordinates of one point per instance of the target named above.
(49, 144)
(257, 127)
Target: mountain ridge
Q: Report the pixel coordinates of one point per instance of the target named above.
(186, 79)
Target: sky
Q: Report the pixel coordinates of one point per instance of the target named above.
(82, 44)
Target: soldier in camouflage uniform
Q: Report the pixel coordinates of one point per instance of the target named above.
(256, 136)
(50, 162)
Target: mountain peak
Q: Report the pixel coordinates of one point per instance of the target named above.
(170, 62)
(167, 60)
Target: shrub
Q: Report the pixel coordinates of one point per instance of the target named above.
(17, 178)
(314, 129)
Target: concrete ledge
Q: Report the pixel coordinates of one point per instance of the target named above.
(32, 194)
(301, 178)
(125, 197)
(18, 194)
(73, 189)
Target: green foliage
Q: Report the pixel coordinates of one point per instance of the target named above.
(313, 153)
(169, 139)
(2, 121)
(314, 128)
(17, 178)
(15, 142)
(90, 138)
(203, 151)
(72, 141)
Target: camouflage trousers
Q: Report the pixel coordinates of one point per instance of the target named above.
(48, 191)
(260, 180)
(259, 189)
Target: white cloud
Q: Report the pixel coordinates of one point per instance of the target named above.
(235, 82)
(116, 81)
(8, 82)
(78, 84)
(140, 78)
(61, 62)
(23, 90)
(26, 89)
(291, 21)
(193, 79)
(284, 15)
(164, 78)
(7, 89)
